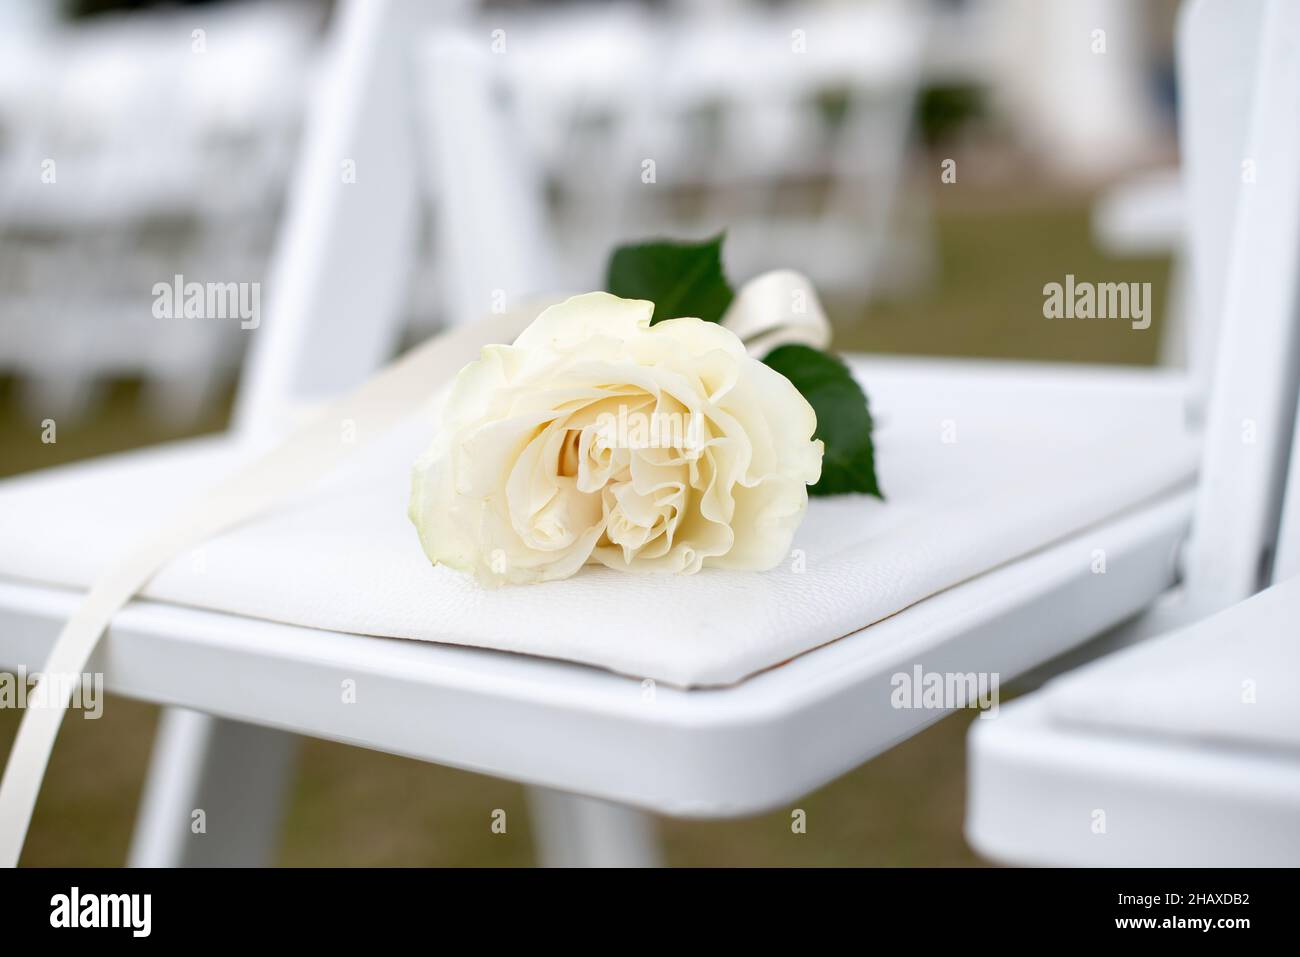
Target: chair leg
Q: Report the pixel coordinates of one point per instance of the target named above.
(575, 831)
(214, 793)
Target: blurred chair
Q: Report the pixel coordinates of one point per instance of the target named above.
(134, 147)
(595, 757)
(1183, 750)
(780, 126)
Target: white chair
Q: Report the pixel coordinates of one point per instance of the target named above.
(1008, 484)
(1183, 749)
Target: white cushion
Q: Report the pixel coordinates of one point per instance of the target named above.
(1227, 681)
(982, 463)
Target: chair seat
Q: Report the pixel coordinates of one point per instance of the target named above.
(1189, 744)
(982, 463)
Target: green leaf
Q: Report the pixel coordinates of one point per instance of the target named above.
(843, 419)
(681, 279)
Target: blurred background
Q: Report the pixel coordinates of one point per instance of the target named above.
(930, 164)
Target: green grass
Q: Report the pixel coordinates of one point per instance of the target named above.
(351, 806)
(989, 300)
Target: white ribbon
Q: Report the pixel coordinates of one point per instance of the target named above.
(765, 310)
(778, 308)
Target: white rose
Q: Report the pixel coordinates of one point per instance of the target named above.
(598, 438)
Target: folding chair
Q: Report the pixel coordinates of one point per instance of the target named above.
(1183, 750)
(1012, 488)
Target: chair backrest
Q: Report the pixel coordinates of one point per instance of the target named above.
(1217, 46)
(373, 150)
(1286, 561)
(339, 279)
(489, 233)
(1242, 60)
